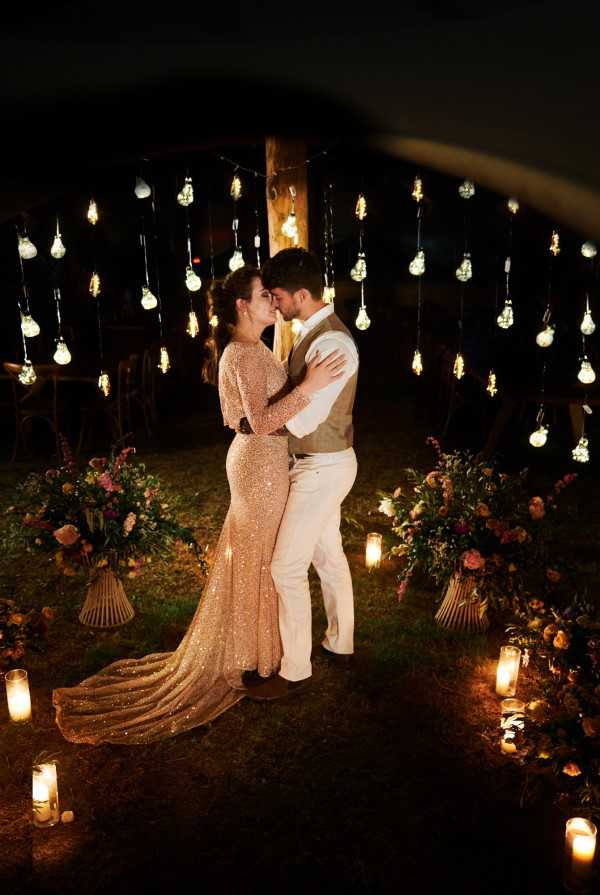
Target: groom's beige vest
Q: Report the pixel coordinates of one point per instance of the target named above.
(336, 433)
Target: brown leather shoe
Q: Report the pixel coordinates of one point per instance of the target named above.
(251, 678)
(276, 687)
(344, 660)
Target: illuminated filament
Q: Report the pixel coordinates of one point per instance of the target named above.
(192, 328)
(236, 188)
(149, 300)
(62, 355)
(27, 375)
(417, 190)
(513, 205)
(165, 364)
(464, 271)
(186, 196)
(104, 383)
(214, 321)
(27, 250)
(95, 286)
(586, 372)
(237, 260)
(555, 243)
(289, 227)
(581, 452)
(539, 437)
(417, 265)
(589, 250)
(361, 208)
(506, 317)
(467, 189)
(492, 386)
(417, 363)
(58, 250)
(329, 295)
(459, 366)
(192, 280)
(359, 271)
(362, 321)
(92, 214)
(29, 326)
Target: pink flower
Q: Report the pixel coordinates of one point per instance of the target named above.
(473, 560)
(106, 482)
(402, 588)
(67, 535)
(537, 509)
(98, 462)
(462, 527)
(397, 492)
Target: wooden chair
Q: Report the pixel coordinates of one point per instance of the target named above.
(33, 402)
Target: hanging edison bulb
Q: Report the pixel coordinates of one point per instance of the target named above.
(362, 321)
(92, 214)
(27, 375)
(29, 326)
(236, 188)
(165, 364)
(417, 265)
(186, 196)
(58, 250)
(506, 317)
(104, 383)
(545, 337)
(459, 366)
(329, 295)
(27, 250)
(467, 189)
(589, 250)
(237, 260)
(555, 243)
(289, 227)
(149, 300)
(213, 321)
(586, 372)
(492, 384)
(417, 363)
(62, 355)
(192, 328)
(581, 452)
(192, 280)
(513, 205)
(142, 189)
(417, 190)
(539, 437)
(95, 285)
(588, 327)
(361, 207)
(359, 271)
(464, 271)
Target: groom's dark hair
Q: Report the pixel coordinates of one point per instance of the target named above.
(293, 269)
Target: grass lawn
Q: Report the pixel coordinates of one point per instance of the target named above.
(384, 778)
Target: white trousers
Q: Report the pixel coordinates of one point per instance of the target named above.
(310, 533)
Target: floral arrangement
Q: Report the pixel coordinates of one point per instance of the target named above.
(464, 517)
(562, 731)
(111, 513)
(21, 630)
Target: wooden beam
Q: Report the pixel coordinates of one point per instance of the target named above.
(284, 153)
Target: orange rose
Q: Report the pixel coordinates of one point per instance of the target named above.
(562, 640)
(571, 769)
(550, 631)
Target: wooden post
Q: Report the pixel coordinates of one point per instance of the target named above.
(280, 154)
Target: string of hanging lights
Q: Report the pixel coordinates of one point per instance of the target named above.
(359, 271)
(417, 269)
(328, 266)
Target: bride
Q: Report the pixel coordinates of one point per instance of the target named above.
(235, 627)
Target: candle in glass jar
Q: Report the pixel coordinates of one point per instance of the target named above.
(580, 848)
(17, 694)
(373, 550)
(41, 799)
(45, 795)
(508, 670)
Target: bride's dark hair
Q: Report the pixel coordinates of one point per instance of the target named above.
(222, 297)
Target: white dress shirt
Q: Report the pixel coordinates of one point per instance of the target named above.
(321, 402)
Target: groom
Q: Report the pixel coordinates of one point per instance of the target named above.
(322, 472)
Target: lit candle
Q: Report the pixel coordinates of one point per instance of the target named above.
(508, 670)
(507, 744)
(580, 848)
(17, 693)
(373, 550)
(45, 795)
(41, 799)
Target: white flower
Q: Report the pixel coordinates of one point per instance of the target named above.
(387, 506)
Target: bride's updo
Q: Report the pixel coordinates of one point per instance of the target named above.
(222, 297)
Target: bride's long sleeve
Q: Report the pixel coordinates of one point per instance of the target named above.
(264, 418)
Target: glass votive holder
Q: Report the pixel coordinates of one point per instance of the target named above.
(17, 695)
(507, 672)
(512, 714)
(580, 848)
(373, 550)
(45, 806)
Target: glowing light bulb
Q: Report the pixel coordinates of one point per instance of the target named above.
(62, 355)
(361, 208)
(513, 205)
(58, 249)
(27, 375)
(589, 250)
(464, 271)
(581, 452)
(417, 363)
(142, 189)
(417, 190)
(459, 366)
(192, 328)
(539, 437)
(149, 300)
(362, 321)
(214, 321)
(237, 260)
(545, 338)
(104, 383)
(588, 327)
(359, 271)
(29, 326)
(586, 372)
(506, 317)
(186, 196)
(165, 364)
(467, 189)
(289, 227)
(555, 243)
(236, 188)
(329, 294)
(192, 280)
(417, 265)
(492, 385)
(92, 214)
(95, 285)
(27, 250)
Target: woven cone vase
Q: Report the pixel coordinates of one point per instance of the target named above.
(106, 605)
(461, 608)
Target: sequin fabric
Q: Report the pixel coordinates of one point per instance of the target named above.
(235, 626)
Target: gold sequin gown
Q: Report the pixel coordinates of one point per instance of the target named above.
(235, 626)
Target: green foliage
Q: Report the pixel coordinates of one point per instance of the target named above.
(20, 631)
